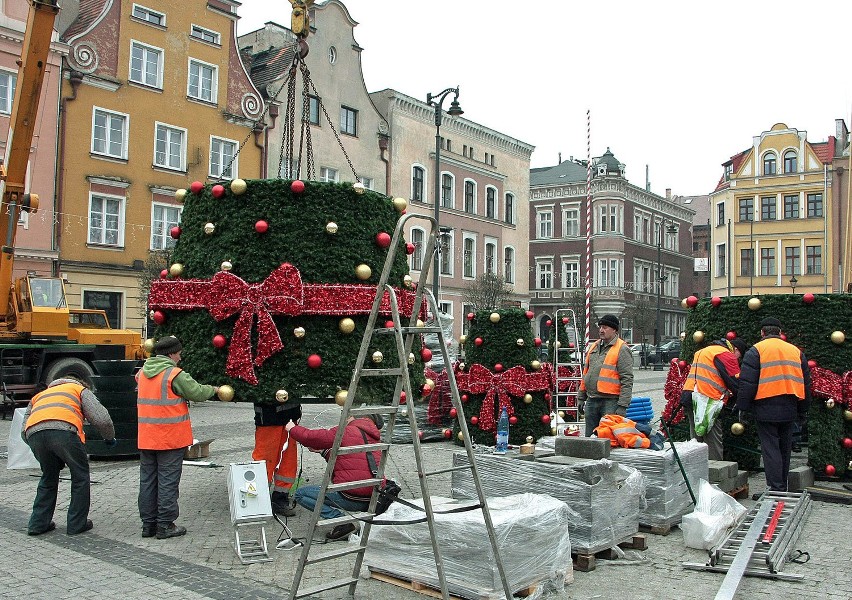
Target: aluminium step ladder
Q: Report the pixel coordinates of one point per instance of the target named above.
(567, 368)
(404, 338)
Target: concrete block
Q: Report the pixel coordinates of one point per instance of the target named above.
(719, 470)
(582, 447)
(742, 478)
(800, 478)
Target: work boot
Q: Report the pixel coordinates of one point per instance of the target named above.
(87, 527)
(169, 531)
(341, 532)
(281, 504)
(50, 527)
(149, 529)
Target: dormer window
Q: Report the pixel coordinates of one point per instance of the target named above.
(769, 163)
(790, 161)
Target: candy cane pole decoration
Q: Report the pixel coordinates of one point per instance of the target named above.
(588, 225)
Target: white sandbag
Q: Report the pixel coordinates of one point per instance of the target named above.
(715, 514)
(20, 455)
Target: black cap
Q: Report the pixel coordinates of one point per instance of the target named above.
(740, 345)
(609, 321)
(167, 345)
(770, 322)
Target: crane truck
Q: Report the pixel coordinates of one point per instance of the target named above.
(40, 337)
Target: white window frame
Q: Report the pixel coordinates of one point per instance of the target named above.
(367, 182)
(424, 192)
(233, 174)
(491, 242)
(183, 139)
(329, 174)
(122, 202)
(346, 127)
(125, 129)
(217, 37)
(165, 234)
(567, 273)
(544, 268)
(7, 98)
(469, 237)
(475, 195)
(544, 227)
(509, 269)
(447, 259)
(452, 199)
(566, 208)
(419, 248)
(147, 12)
(158, 76)
(496, 199)
(214, 81)
(509, 208)
(721, 269)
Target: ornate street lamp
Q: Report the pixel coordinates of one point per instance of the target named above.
(793, 282)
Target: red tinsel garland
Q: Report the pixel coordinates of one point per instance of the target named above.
(671, 392)
(282, 293)
(440, 402)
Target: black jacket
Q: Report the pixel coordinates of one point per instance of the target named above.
(775, 409)
(277, 414)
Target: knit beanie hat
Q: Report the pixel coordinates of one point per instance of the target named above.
(167, 345)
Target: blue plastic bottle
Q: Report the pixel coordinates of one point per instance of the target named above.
(502, 433)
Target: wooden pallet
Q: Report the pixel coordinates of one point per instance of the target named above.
(432, 592)
(586, 562)
(657, 529)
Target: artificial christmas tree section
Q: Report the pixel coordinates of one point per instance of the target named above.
(271, 283)
(500, 369)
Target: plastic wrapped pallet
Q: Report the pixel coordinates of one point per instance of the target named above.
(667, 497)
(535, 547)
(603, 497)
(402, 427)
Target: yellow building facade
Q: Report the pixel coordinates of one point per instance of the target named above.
(770, 215)
(155, 96)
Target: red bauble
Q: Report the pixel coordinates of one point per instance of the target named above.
(297, 187)
(498, 368)
(548, 322)
(219, 341)
(716, 301)
(453, 413)
(547, 396)
(464, 398)
(783, 337)
(402, 397)
(570, 344)
(808, 298)
(383, 240)
(425, 390)
(164, 273)
(470, 316)
(731, 335)
(537, 342)
(195, 187)
(218, 191)
(545, 419)
(513, 420)
(830, 470)
(564, 320)
(388, 324)
(425, 355)
(681, 363)
(175, 232)
(314, 361)
(261, 226)
(847, 443)
(478, 341)
(409, 248)
(692, 301)
(420, 434)
(159, 317)
(530, 314)
(474, 420)
(448, 433)
(811, 363)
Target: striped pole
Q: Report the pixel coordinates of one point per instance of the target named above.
(588, 226)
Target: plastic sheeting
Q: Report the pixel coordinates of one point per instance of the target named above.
(20, 455)
(666, 493)
(402, 427)
(534, 545)
(603, 497)
(716, 513)
(430, 340)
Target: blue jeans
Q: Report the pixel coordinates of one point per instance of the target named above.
(307, 496)
(595, 409)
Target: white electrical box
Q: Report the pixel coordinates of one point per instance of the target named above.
(248, 492)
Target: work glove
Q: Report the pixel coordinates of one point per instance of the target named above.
(111, 443)
(621, 411)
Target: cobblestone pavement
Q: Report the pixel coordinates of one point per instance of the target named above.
(114, 561)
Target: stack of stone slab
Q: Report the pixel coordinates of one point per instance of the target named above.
(726, 475)
(603, 497)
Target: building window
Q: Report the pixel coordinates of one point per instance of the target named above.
(447, 193)
(729, 170)
(509, 212)
(767, 261)
(146, 65)
(205, 35)
(313, 110)
(792, 260)
(813, 256)
(544, 275)
(109, 133)
(490, 257)
(328, 174)
(721, 260)
(767, 208)
(791, 206)
(470, 197)
(469, 268)
(769, 163)
(223, 158)
(109, 302)
(106, 220)
(609, 218)
(747, 262)
(491, 203)
(348, 120)
(332, 55)
(417, 176)
(608, 270)
(545, 224)
(445, 241)
(571, 274)
(814, 205)
(149, 16)
(417, 236)
(163, 218)
(571, 222)
(790, 161)
(720, 214)
(7, 91)
(746, 209)
(367, 182)
(509, 265)
(202, 81)
(170, 147)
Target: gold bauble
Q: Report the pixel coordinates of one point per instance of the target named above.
(698, 336)
(528, 398)
(557, 344)
(378, 357)
(494, 317)
(148, 346)
(462, 366)
(553, 431)
(754, 303)
(683, 303)
(180, 195)
(462, 339)
(299, 332)
(176, 270)
(561, 414)
(838, 337)
(226, 265)
(520, 342)
(225, 393)
(407, 281)
(683, 335)
(238, 187)
(400, 204)
(420, 323)
(847, 414)
(282, 396)
(411, 358)
(536, 365)
(209, 228)
(530, 439)
(331, 227)
(430, 383)
(359, 187)
(346, 325)
(340, 397)
(737, 428)
(363, 272)
(460, 436)
(829, 403)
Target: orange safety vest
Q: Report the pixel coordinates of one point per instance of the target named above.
(163, 415)
(621, 431)
(780, 370)
(61, 402)
(608, 380)
(704, 377)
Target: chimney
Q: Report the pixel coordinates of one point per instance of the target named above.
(560, 159)
(668, 193)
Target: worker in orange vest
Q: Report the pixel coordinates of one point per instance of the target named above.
(272, 444)
(165, 432)
(607, 384)
(53, 429)
(775, 386)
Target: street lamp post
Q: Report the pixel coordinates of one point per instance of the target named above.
(437, 100)
(793, 282)
(661, 279)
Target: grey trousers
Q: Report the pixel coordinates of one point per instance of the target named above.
(55, 448)
(595, 409)
(159, 485)
(776, 443)
(713, 439)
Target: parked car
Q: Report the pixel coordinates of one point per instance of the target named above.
(667, 351)
(636, 349)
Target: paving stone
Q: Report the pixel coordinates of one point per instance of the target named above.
(800, 478)
(582, 447)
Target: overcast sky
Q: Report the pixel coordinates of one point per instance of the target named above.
(678, 86)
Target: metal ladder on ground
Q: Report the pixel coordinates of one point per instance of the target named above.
(404, 337)
(567, 373)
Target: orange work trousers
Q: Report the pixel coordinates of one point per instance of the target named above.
(280, 465)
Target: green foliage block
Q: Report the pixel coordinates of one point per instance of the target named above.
(298, 235)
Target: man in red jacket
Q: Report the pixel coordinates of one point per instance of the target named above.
(347, 467)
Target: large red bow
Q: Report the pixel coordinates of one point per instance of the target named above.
(502, 385)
